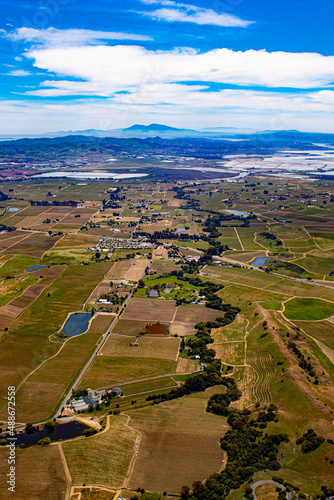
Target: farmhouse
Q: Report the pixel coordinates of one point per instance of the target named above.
(153, 294)
(157, 329)
(117, 391)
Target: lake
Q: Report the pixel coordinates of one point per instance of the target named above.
(236, 212)
(76, 324)
(58, 433)
(259, 261)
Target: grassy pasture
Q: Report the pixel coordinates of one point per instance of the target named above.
(317, 262)
(45, 479)
(308, 309)
(272, 305)
(38, 396)
(148, 385)
(321, 330)
(107, 371)
(179, 443)
(149, 347)
(10, 289)
(102, 459)
(17, 264)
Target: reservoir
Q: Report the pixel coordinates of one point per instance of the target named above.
(13, 209)
(76, 324)
(259, 261)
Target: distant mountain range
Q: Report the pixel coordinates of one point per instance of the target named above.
(156, 130)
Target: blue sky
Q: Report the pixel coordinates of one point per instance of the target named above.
(75, 65)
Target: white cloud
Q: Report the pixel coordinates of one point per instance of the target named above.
(19, 72)
(107, 114)
(108, 69)
(52, 37)
(191, 14)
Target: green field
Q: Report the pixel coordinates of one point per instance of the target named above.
(107, 371)
(308, 309)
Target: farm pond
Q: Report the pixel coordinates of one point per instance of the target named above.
(59, 432)
(76, 324)
(259, 261)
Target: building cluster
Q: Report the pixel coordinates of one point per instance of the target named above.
(105, 244)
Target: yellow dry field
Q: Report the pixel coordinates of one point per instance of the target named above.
(160, 253)
(136, 270)
(149, 347)
(245, 378)
(102, 459)
(119, 270)
(266, 492)
(231, 353)
(40, 474)
(181, 329)
(234, 331)
(185, 365)
(179, 443)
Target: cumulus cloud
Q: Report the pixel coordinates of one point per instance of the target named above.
(187, 13)
(71, 37)
(109, 69)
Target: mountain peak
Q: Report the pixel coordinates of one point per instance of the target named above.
(153, 126)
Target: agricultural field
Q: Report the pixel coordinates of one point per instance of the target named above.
(105, 458)
(38, 395)
(308, 309)
(46, 479)
(269, 332)
(186, 448)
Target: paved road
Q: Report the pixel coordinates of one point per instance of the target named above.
(269, 481)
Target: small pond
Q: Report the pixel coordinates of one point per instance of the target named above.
(33, 268)
(58, 433)
(236, 212)
(76, 324)
(259, 261)
(13, 209)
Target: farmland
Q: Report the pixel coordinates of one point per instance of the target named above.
(265, 331)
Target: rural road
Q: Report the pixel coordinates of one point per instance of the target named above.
(91, 359)
(269, 481)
